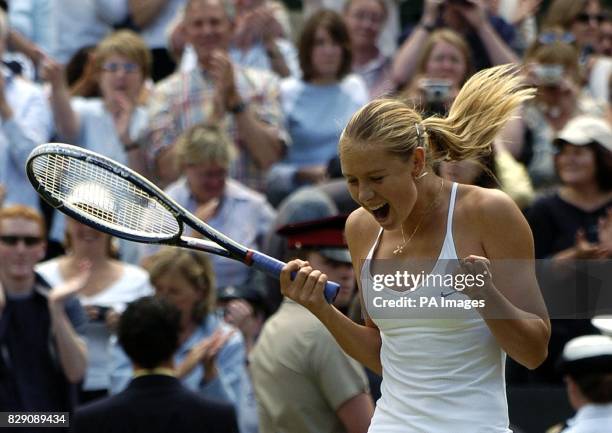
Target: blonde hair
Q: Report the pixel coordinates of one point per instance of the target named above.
(452, 38)
(194, 266)
(124, 43)
(204, 143)
(482, 107)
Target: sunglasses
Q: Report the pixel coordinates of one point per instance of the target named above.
(548, 38)
(29, 241)
(583, 17)
(116, 66)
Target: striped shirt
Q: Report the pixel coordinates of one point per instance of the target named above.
(185, 99)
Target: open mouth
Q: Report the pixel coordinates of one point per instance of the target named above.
(381, 212)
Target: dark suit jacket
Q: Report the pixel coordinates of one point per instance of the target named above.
(152, 404)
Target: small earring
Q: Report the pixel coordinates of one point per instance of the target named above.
(420, 176)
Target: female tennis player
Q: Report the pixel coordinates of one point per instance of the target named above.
(443, 371)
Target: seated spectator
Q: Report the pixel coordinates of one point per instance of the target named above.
(489, 37)
(43, 355)
(25, 123)
(364, 20)
(241, 101)
(574, 222)
(565, 222)
(318, 106)
(390, 32)
(113, 284)
(552, 66)
(303, 380)
(155, 400)
(443, 66)
(262, 40)
(122, 64)
(211, 355)
(204, 155)
(586, 363)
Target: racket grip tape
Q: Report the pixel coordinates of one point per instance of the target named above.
(273, 267)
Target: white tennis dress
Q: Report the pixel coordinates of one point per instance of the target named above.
(443, 371)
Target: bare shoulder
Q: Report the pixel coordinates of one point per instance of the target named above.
(361, 231)
(502, 228)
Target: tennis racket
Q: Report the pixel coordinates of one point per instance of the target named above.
(114, 199)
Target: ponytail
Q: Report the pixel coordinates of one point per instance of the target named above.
(480, 110)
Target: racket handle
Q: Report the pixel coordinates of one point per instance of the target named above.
(273, 267)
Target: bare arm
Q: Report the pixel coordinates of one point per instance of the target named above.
(356, 413)
(20, 43)
(262, 140)
(144, 12)
(405, 61)
(514, 308)
(66, 120)
(362, 343)
(499, 52)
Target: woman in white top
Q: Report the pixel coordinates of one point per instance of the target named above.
(442, 367)
(112, 285)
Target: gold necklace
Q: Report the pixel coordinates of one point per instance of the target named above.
(400, 248)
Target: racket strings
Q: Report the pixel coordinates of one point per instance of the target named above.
(103, 196)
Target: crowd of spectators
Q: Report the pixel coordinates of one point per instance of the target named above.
(235, 108)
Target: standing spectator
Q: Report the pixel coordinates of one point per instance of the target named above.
(43, 356)
(318, 106)
(154, 401)
(26, 123)
(303, 381)
(211, 356)
(364, 20)
(203, 155)
(112, 285)
(489, 37)
(241, 101)
(552, 66)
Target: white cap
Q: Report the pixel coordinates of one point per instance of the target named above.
(582, 130)
(587, 346)
(603, 323)
(587, 355)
